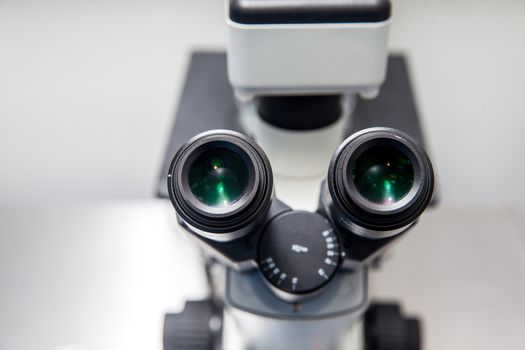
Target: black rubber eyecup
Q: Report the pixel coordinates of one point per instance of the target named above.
(224, 222)
(350, 203)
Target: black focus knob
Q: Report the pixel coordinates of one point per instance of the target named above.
(299, 252)
(387, 329)
(197, 327)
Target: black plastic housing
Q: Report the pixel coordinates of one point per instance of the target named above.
(300, 112)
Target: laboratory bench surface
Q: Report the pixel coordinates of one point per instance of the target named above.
(102, 275)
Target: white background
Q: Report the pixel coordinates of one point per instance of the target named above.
(88, 91)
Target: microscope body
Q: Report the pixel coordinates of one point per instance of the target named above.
(326, 322)
(295, 277)
(296, 68)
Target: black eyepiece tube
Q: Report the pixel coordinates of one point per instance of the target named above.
(380, 180)
(220, 184)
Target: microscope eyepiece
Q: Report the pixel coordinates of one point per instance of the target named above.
(380, 180)
(220, 184)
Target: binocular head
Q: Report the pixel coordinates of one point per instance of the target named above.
(220, 183)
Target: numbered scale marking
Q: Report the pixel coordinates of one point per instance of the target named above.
(299, 252)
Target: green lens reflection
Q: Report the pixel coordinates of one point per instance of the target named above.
(218, 177)
(383, 174)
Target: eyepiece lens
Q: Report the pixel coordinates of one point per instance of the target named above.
(218, 177)
(383, 174)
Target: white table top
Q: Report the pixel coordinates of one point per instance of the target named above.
(101, 276)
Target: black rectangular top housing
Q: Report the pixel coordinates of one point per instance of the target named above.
(309, 11)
